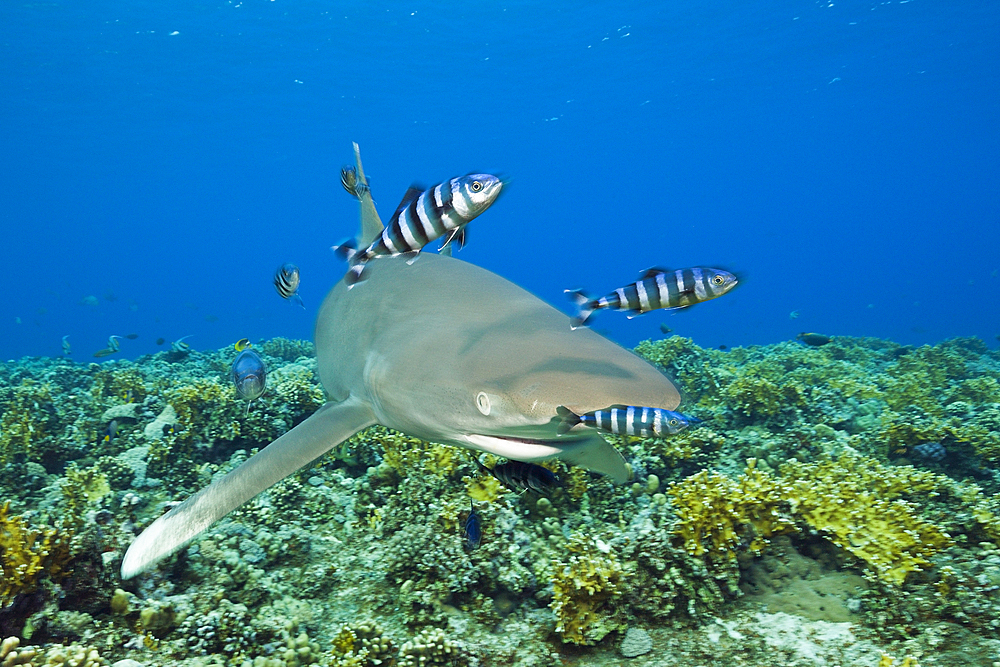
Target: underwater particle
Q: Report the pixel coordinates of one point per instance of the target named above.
(813, 339)
(161, 341)
(89, 300)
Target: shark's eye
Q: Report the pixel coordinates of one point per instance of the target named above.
(483, 402)
(476, 186)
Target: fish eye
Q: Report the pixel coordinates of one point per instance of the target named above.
(673, 422)
(718, 279)
(483, 402)
(476, 186)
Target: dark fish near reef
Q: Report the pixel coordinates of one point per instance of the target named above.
(472, 528)
(423, 216)
(161, 341)
(249, 375)
(110, 432)
(665, 329)
(105, 352)
(349, 179)
(286, 281)
(656, 289)
(813, 339)
(519, 475)
(628, 420)
(932, 451)
(132, 336)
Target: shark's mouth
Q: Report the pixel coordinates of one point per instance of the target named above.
(512, 447)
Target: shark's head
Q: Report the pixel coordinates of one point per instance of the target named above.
(465, 357)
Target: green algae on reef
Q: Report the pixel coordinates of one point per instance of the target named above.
(359, 560)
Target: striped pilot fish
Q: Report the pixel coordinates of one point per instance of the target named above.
(517, 475)
(627, 420)
(286, 281)
(353, 185)
(657, 288)
(423, 216)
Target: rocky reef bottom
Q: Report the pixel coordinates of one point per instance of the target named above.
(836, 506)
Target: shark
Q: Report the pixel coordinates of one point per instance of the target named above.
(445, 351)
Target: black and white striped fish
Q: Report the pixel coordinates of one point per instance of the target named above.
(517, 475)
(354, 187)
(627, 420)
(657, 288)
(423, 216)
(286, 281)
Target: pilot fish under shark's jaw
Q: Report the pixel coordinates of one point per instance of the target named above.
(440, 350)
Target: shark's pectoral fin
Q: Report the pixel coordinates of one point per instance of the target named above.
(597, 454)
(326, 428)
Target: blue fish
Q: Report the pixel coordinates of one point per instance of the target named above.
(249, 375)
(473, 528)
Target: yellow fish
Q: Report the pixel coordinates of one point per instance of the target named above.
(242, 344)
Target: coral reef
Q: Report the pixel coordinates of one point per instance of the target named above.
(871, 461)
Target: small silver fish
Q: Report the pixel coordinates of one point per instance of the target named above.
(65, 345)
(656, 289)
(627, 420)
(349, 179)
(249, 375)
(424, 216)
(286, 281)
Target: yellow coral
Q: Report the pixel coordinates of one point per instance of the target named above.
(484, 488)
(26, 554)
(853, 501)
(409, 455)
(720, 516)
(583, 590)
(20, 427)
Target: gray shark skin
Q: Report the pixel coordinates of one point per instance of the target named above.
(444, 351)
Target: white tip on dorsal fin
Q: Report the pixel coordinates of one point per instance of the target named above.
(371, 224)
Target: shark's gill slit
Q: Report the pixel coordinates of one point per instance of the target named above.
(483, 402)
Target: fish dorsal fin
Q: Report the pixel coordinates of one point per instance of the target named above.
(412, 193)
(652, 272)
(371, 224)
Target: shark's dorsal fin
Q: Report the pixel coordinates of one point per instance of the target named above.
(371, 224)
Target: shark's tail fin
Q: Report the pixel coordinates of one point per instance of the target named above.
(584, 306)
(568, 419)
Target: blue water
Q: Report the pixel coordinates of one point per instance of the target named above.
(166, 157)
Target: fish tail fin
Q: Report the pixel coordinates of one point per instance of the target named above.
(584, 306)
(568, 419)
(298, 299)
(346, 249)
(355, 275)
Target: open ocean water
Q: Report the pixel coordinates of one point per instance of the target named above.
(165, 158)
(829, 503)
